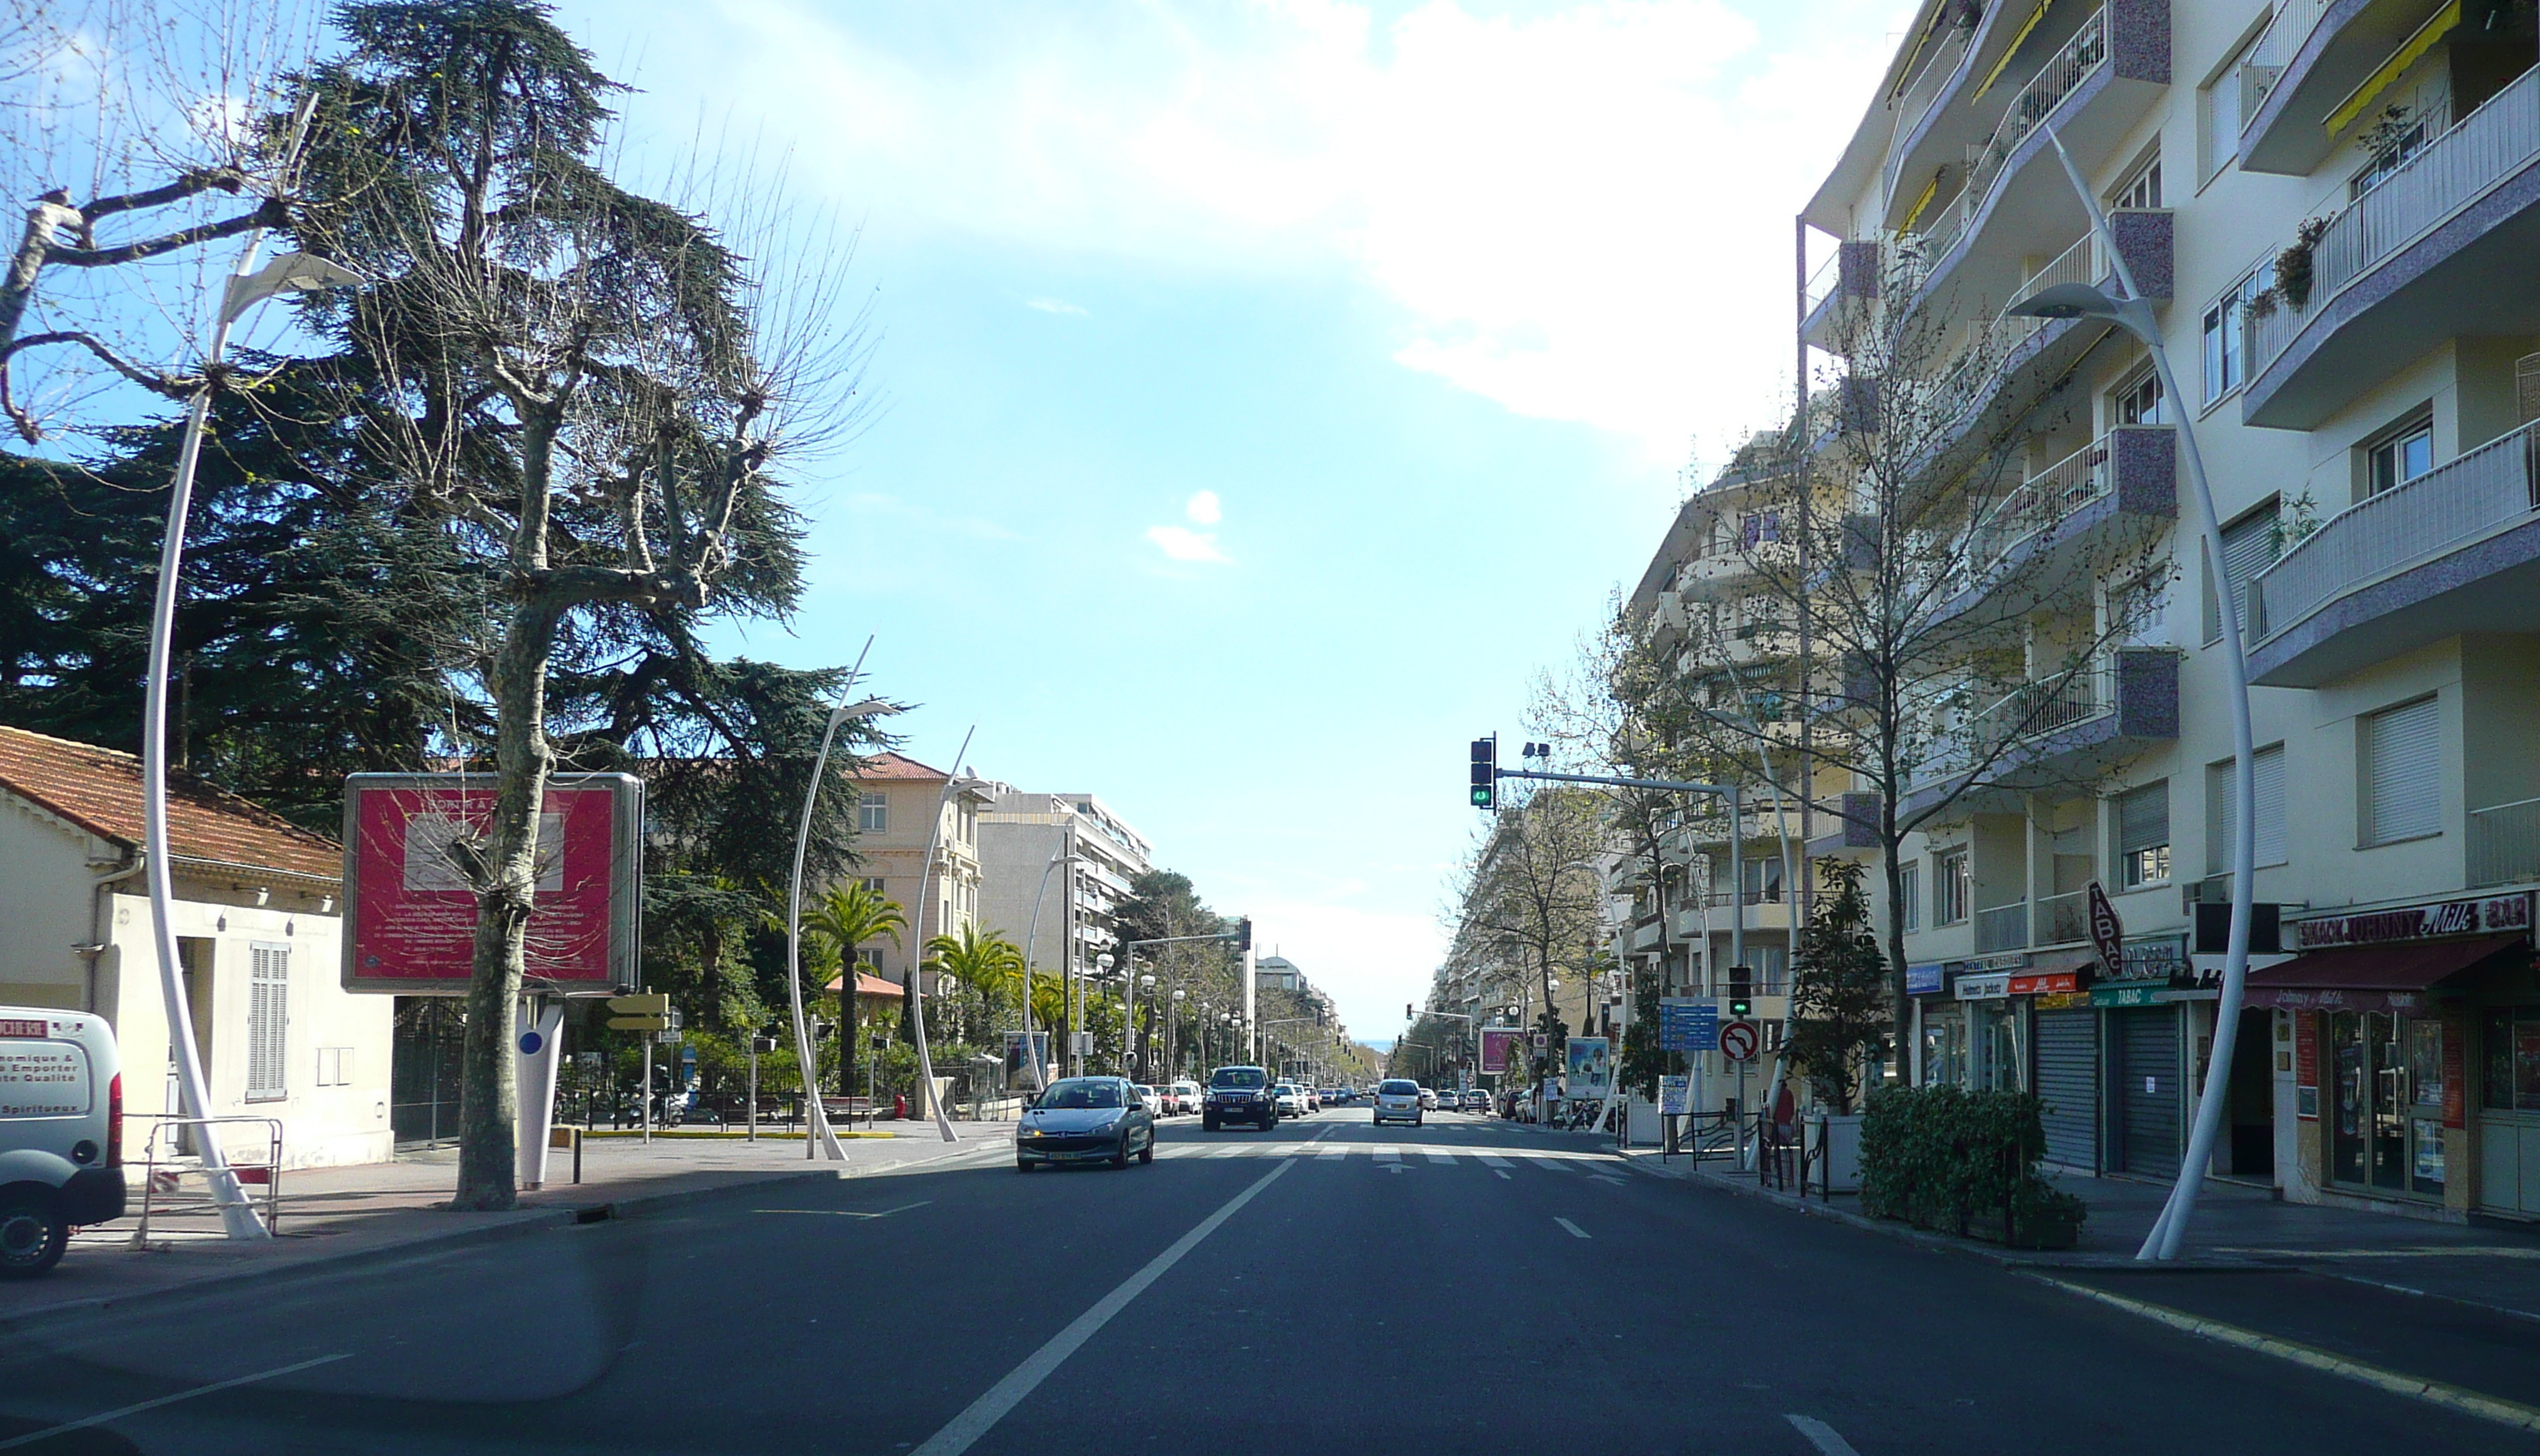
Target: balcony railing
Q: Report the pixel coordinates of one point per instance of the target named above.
(2060, 77)
(2445, 508)
(2042, 500)
(1821, 282)
(2030, 710)
(2489, 145)
(2061, 919)
(2002, 927)
(1995, 340)
(2266, 61)
(2504, 844)
(1933, 75)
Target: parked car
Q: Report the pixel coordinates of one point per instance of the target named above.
(61, 1132)
(1085, 1120)
(1476, 1100)
(1186, 1097)
(1398, 1099)
(1150, 1099)
(1429, 1099)
(1238, 1094)
(1292, 1103)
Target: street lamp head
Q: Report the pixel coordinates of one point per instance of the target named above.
(1179, 995)
(1103, 961)
(868, 707)
(1146, 983)
(2087, 300)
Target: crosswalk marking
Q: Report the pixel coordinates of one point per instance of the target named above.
(1492, 1160)
(1388, 1154)
(1336, 1148)
(1552, 1164)
(1441, 1156)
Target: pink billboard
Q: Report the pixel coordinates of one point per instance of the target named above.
(1502, 1047)
(411, 909)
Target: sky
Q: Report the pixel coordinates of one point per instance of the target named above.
(1262, 393)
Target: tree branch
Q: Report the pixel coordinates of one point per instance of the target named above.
(271, 213)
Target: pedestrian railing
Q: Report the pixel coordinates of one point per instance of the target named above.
(175, 1183)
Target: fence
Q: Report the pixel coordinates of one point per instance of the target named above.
(2505, 843)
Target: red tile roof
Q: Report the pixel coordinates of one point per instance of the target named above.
(99, 790)
(893, 765)
(867, 986)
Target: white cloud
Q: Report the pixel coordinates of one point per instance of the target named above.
(1203, 508)
(1056, 305)
(1582, 215)
(1181, 543)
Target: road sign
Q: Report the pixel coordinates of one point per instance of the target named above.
(2107, 933)
(1688, 1023)
(645, 1012)
(1739, 1039)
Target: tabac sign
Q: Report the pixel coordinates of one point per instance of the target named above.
(2485, 916)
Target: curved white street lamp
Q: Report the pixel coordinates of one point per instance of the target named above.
(248, 286)
(954, 778)
(2134, 315)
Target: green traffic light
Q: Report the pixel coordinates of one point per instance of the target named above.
(1482, 796)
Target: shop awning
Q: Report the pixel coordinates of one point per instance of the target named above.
(2338, 975)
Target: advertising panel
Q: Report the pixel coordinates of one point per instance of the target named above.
(411, 908)
(1590, 1067)
(1027, 1066)
(1502, 1047)
(1676, 1094)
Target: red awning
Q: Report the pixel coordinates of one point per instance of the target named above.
(2405, 966)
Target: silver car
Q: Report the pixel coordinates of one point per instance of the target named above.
(1397, 1100)
(1086, 1119)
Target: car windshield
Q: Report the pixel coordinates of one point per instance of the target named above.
(1239, 1078)
(1070, 1095)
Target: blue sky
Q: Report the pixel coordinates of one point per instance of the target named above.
(1266, 390)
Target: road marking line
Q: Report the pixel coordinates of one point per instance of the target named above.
(2464, 1251)
(1503, 1172)
(1575, 1231)
(1552, 1165)
(136, 1408)
(849, 1213)
(1822, 1435)
(2432, 1392)
(1492, 1160)
(1336, 1148)
(1388, 1154)
(1441, 1156)
(1232, 1150)
(983, 1414)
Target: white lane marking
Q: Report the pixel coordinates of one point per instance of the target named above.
(136, 1408)
(1336, 1148)
(1388, 1154)
(1232, 1150)
(1441, 1156)
(1503, 1172)
(1552, 1165)
(983, 1414)
(849, 1213)
(1575, 1231)
(1822, 1435)
(1492, 1160)
(1609, 1178)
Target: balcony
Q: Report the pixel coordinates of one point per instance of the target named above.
(2015, 201)
(2440, 248)
(2309, 66)
(2061, 920)
(1854, 275)
(2504, 844)
(2456, 550)
(2002, 927)
(2128, 474)
(2057, 730)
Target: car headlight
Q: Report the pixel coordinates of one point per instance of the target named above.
(1107, 1125)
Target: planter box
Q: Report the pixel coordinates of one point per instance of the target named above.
(2049, 1230)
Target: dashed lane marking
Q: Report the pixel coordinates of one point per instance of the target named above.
(1492, 1160)
(1575, 1231)
(1822, 1435)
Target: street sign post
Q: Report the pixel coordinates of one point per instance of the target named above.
(1738, 1040)
(1688, 1023)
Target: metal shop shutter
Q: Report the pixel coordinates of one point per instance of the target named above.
(2068, 1083)
(2147, 1103)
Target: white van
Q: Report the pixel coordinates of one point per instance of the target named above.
(61, 1132)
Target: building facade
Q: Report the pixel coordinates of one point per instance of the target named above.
(2329, 208)
(1055, 867)
(901, 806)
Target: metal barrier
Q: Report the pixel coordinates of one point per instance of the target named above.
(165, 1163)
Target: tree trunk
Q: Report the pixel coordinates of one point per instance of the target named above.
(488, 1089)
(18, 287)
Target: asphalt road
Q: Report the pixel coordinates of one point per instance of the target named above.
(1329, 1287)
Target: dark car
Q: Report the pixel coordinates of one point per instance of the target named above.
(1239, 1095)
(1086, 1119)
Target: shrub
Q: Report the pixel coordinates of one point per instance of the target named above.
(1958, 1161)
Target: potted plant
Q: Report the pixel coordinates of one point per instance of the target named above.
(2293, 263)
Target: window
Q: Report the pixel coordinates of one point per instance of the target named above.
(334, 1066)
(1763, 880)
(1762, 526)
(869, 957)
(2394, 154)
(268, 1021)
(2142, 835)
(1909, 889)
(2511, 1043)
(2226, 359)
(2266, 773)
(2142, 189)
(2249, 546)
(872, 812)
(2219, 111)
(1951, 887)
(1772, 968)
(2399, 456)
(2402, 757)
(874, 884)
(2138, 400)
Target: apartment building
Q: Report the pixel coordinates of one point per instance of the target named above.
(2330, 206)
(901, 806)
(1054, 868)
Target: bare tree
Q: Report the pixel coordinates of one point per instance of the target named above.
(1532, 894)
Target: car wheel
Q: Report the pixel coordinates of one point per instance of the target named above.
(33, 1233)
(1208, 1124)
(1120, 1159)
(1147, 1154)
(1023, 1165)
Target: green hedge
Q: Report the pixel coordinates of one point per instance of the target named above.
(1962, 1162)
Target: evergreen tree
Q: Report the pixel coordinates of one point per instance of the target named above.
(1839, 988)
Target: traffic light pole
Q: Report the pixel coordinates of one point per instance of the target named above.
(1737, 833)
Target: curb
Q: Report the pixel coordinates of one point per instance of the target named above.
(517, 1223)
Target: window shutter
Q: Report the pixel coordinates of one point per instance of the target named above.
(2403, 772)
(2267, 776)
(2248, 548)
(268, 1021)
(2142, 818)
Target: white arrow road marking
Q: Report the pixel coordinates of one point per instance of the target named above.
(1575, 1231)
(1503, 1172)
(1395, 1167)
(137, 1406)
(983, 1414)
(1822, 1435)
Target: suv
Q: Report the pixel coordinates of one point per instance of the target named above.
(61, 1132)
(1398, 1099)
(1238, 1094)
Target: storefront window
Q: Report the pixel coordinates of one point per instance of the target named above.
(1944, 1046)
(1992, 1034)
(2388, 1131)
(2511, 1037)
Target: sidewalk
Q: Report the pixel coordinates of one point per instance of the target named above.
(337, 1216)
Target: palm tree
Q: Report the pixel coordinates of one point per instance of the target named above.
(843, 919)
(989, 964)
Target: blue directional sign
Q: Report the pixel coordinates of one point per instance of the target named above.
(1688, 1023)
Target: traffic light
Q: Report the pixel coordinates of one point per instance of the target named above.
(1486, 772)
(644, 1011)
(1243, 934)
(1742, 991)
